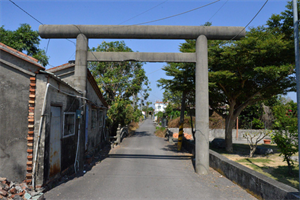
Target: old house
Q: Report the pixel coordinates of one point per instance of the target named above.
(43, 131)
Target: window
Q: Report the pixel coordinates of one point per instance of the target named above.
(159, 107)
(69, 124)
(94, 118)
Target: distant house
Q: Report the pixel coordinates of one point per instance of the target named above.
(159, 107)
(41, 120)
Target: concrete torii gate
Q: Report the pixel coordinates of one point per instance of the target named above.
(200, 33)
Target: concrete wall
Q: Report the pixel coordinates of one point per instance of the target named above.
(67, 75)
(14, 97)
(14, 90)
(219, 133)
(259, 184)
(67, 104)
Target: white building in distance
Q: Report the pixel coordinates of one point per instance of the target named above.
(159, 107)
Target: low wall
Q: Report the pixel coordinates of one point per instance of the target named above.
(255, 183)
(219, 133)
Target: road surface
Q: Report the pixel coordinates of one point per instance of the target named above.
(147, 167)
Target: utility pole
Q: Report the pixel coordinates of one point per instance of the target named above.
(296, 40)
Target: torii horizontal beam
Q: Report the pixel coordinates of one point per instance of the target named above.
(142, 32)
(141, 57)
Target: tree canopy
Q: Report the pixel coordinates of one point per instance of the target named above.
(26, 40)
(119, 79)
(243, 72)
(120, 82)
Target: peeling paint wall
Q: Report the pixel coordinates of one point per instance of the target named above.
(96, 121)
(68, 144)
(96, 132)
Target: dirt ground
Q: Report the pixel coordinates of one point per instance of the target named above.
(215, 122)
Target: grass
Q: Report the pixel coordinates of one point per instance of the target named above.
(160, 131)
(269, 165)
(255, 160)
(279, 173)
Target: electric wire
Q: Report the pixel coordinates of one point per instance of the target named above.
(26, 12)
(39, 23)
(177, 14)
(251, 20)
(143, 12)
(217, 11)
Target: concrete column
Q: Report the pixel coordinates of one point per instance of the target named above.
(80, 76)
(202, 112)
(80, 80)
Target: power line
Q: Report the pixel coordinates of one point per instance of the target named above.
(143, 12)
(218, 10)
(177, 14)
(251, 19)
(47, 46)
(26, 12)
(33, 17)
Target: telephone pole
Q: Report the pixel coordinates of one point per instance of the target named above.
(296, 41)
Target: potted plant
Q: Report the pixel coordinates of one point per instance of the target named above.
(267, 141)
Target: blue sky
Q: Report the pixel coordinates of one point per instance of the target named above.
(114, 12)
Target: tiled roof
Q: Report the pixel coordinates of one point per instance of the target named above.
(61, 67)
(20, 55)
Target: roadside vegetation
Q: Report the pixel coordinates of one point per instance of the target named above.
(120, 83)
(241, 73)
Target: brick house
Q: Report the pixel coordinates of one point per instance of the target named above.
(41, 120)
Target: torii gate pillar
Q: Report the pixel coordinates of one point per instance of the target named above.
(202, 107)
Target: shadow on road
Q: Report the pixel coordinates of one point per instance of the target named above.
(88, 165)
(140, 134)
(145, 156)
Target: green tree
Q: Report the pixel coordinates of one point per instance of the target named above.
(172, 96)
(244, 72)
(251, 116)
(119, 82)
(282, 24)
(26, 40)
(286, 135)
(183, 80)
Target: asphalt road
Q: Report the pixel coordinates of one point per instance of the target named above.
(147, 167)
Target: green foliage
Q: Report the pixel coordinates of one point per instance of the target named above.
(159, 116)
(171, 111)
(119, 81)
(241, 73)
(172, 96)
(257, 124)
(286, 135)
(250, 117)
(285, 115)
(287, 142)
(25, 40)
